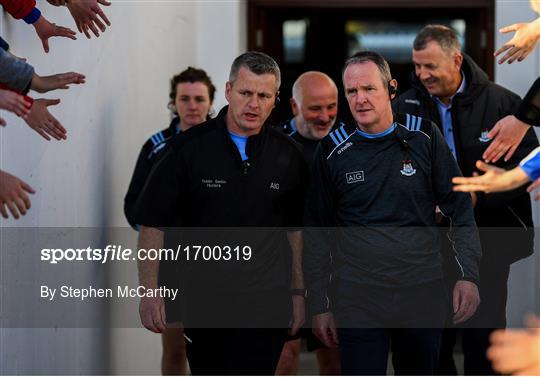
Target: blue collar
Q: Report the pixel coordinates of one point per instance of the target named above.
(388, 131)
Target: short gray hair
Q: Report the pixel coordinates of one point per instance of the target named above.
(374, 57)
(258, 63)
(446, 38)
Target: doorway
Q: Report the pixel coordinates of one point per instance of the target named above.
(320, 35)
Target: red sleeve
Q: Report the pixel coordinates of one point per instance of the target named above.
(27, 98)
(18, 8)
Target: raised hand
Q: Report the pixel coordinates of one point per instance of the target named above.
(13, 195)
(41, 121)
(522, 43)
(46, 30)
(86, 12)
(43, 84)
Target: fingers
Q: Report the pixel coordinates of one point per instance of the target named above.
(101, 14)
(468, 188)
(510, 55)
(510, 152)
(51, 102)
(498, 150)
(518, 54)
(508, 29)
(296, 326)
(502, 49)
(525, 53)
(25, 200)
(333, 333)
(15, 103)
(482, 166)
(456, 300)
(85, 30)
(494, 131)
(511, 350)
(54, 130)
(464, 180)
(532, 321)
(45, 42)
(56, 127)
(491, 153)
(65, 79)
(42, 133)
(2, 122)
(3, 211)
(13, 210)
(26, 187)
(163, 316)
(147, 320)
(463, 314)
(19, 203)
(152, 313)
(466, 305)
(104, 2)
(323, 336)
(93, 28)
(97, 20)
(159, 323)
(65, 32)
(534, 185)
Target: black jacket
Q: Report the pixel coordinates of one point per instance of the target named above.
(475, 112)
(308, 145)
(529, 109)
(378, 197)
(201, 181)
(147, 157)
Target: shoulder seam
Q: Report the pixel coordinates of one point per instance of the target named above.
(340, 136)
(413, 123)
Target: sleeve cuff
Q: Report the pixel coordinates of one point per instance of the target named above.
(531, 164)
(4, 45)
(33, 16)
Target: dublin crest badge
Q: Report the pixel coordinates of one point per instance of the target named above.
(408, 169)
(484, 136)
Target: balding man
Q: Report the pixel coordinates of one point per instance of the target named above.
(314, 104)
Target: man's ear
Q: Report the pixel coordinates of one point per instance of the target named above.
(294, 107)
(228, 88)
(277, 99)
(458, 60)
(392, 88)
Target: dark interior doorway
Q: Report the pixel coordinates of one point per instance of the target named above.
(320, 35)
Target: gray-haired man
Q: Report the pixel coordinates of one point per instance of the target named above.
(449, 89)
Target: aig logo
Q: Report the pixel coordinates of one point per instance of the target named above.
(354, 177)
